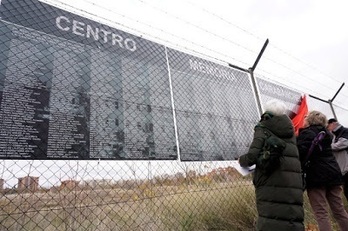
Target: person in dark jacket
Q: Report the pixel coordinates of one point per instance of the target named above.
(339, 147)
(279, 194)
(323, 175)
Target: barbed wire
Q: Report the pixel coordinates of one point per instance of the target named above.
(232, 42)
(267, 58)
(257, 37)
(195, 51)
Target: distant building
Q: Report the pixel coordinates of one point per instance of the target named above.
(69, 185)
(28, 183)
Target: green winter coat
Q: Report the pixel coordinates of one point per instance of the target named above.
(279, 196)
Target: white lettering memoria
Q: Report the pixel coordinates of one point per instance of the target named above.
(85, 30)
(211, 70)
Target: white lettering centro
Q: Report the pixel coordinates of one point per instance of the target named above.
(85, 30)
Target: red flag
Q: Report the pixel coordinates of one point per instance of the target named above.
(298, 119)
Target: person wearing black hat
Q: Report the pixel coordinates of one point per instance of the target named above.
(323, 175)
(340, 149)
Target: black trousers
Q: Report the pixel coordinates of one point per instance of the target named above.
(345, 185)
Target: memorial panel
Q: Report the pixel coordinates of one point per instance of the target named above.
(215, 108)
(72, 88)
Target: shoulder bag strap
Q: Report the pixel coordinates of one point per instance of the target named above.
(316, 141)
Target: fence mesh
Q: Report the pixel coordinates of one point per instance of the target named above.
(124, 196)
(104, 130)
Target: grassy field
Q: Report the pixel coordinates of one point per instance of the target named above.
(216, 206)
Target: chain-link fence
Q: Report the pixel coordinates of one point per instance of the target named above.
(104, 130)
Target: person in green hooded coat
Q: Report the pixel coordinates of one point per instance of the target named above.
(279, 192)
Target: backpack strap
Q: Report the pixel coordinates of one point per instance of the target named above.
(316, 141)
